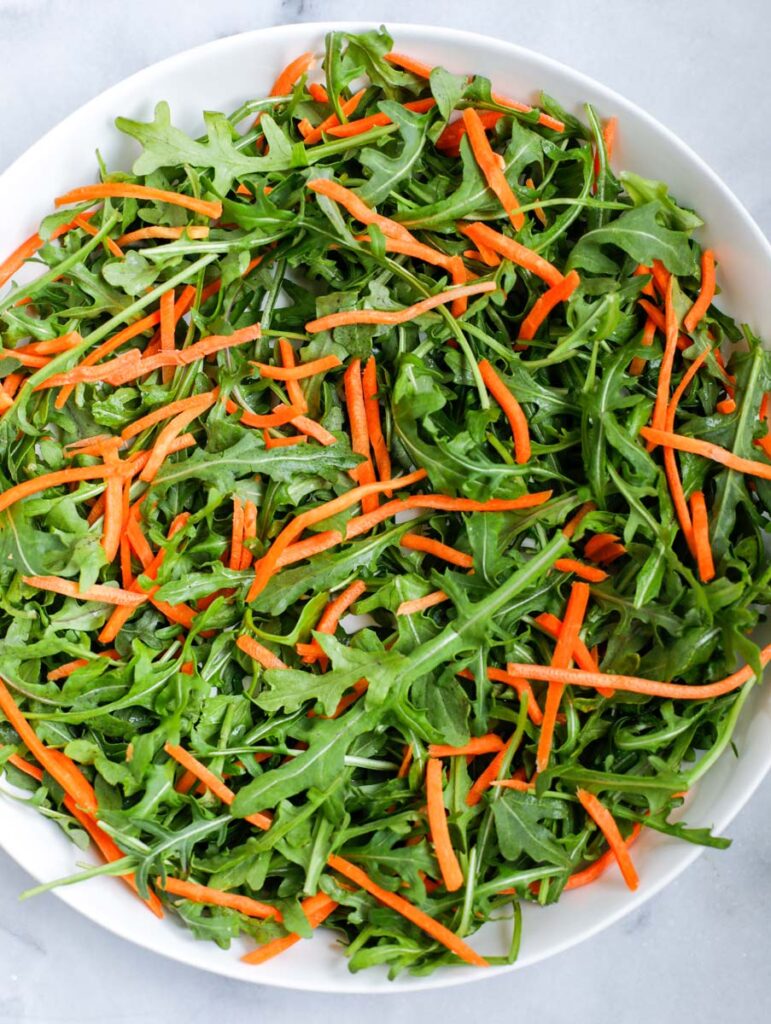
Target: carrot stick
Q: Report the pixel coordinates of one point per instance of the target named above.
(357, 208)
(291, 73)
(604, 820)
(165, 412)
(404, 767)
(124, 190)
(236, 550)
(420, 604)
(701, 544)
(511, 408)
(452, 876)
(491, 166)
(412, 913)
(268, 563)
(637, 365)
(97, 592)
(409, 247)
(596, 543)
(497, 675)
(581, 654)
(298, 372)
(258, 653)
(316, 908)
(92, 230)
(162, 447)
(212, 782)
(167, 331)
(726, 406)
(293, 388)
(313, 429)
(511, 250)
(30, 246)
(250, 532)
(217, 898)
(48, 480)
(593, 871)
(280, 416)
(560, 292)
(519, 784)
(348, 108)
(364, 473)
(665, 372)
(683, 443)
(193, 231)
(563, 654)
(417, 542)
(364, 124)
(706, 293)
(330, 617)
(572, 524)
(485, 779)
(372, 411)
(489, 744)
(584, 572)
(63, 671)
(449, 140)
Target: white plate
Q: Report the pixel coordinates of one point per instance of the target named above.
(218, 76)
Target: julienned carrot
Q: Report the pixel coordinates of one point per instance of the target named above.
(330, 617)
(283, 442)
(280, 416)
(701, 545)
(489, 744)
(512, 410)
(683, 443)
(293, 388)
(374, 427)
(249, 533)
(706, 293)
(30, 246)
(492, 167)
(58, 765)
(291, 73)
(584, 572)
(258, 653)
(635, 684)
(522, 686)
(176, 425)
(318, 92)
(348, 107)
(572, 524)
(658, 416)
(591, 873)
(313, 429)
(519, 784)
(124, 190)
(63, 671)
(637, 365)
(412, 913)
(563, 655)
(726, 406)
(212, 782)
(300, 371)
(364, 473)
(193, 231)
(357, 208)
(604, 820)
(511, 250)
(420, 604)
(268, 563)
(167, 330)
(46, 481)
(218, 898)
(97, 592)
(316, 908)
(560, 292)
(164, 412)
(91, 229)
(113, 507)
(417, 542)
(420, 251)
(237, 534)
(363, 124)
(582, 656)
(450, 869)
(449, 140)
(596, 543)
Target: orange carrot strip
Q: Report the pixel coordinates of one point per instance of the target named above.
(409, 247)
(452, 876)
(97, 592)
(449, 140)
(593, 871)
(412, 913)
(30, 246)
(330, 618)
(267, 564)
(518, 784)
(584, 572)
(372, 412)
(48, 480)
(318, 92)
(538, 211)
(363, 124)
(348, 108)
(637, 365)
(511, 408)
(193, 231)
(217, 898)
(162, 447)
(123, 190)
(604, 820)
(364, 473)
(701, 543)
(419, 604)
(293, 387)
(488, 744)
(212, 782)
(92, 230)
(66, 670)
(511, 250)
(236, 550)
(283, 442)
(598, 542)
(359, 209)
(581, 654)
(313, 429)
(545, 304)
(404, 767)
(298, 372)
(490, 164)
(165, 412)
(250, 531)
(167, 331)
(291, 73)
(706, 293)
(459, 276)
(29, 359)
(258, 653)
(281, 415)
(726, 406)
(316, 908)
(563, 654)
(714, 452)
(665, 372)
(417, 542)
(572, 524)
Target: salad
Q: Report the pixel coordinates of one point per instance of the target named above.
(382, 513)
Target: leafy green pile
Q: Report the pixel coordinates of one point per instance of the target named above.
(333, 783)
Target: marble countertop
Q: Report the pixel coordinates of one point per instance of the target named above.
(698, 949)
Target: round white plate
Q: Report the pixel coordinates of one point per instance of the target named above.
(219, 76)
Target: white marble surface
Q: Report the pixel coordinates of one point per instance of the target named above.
(697, 950)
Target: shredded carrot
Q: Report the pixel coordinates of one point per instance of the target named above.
(293, 388)
(573, 523)
(417, 542)
(449, 140)
(538, 210)
(596, 543)
(512, 410)
(98, 592)
(420, 604)
(250, 532)
(409, 247)
(563, 654)
(280, 416)
(701, 544)
(258, 653)
(584, 572)
(364, 473)
(162, 447)
(642, 271)
(292, 72)
(665, 371)
(637, 365)
(450, 869)
(358, 209)
(316, 908)
(313, 429)
(167, 331)
(193, 231)
(30, 246)
(404, 767)
(401, 316)
(283, 442)
(164, 412)
(92, 230)
(488, 744)
(124, 190)
(218, 898)
(298, 372)
(330, 617)
(519, 784)
(581, 654)
(318, 92)
(519, 254)
(492, 167)
(560, 292)
(348, 107)
(408, 910)
(237, 533)
(593, 871)
(364, 124)
(267, 565)
(374, 428)
(706, 293)
(683, 443)
(212, 782)
(604, 820)
(49, 480)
